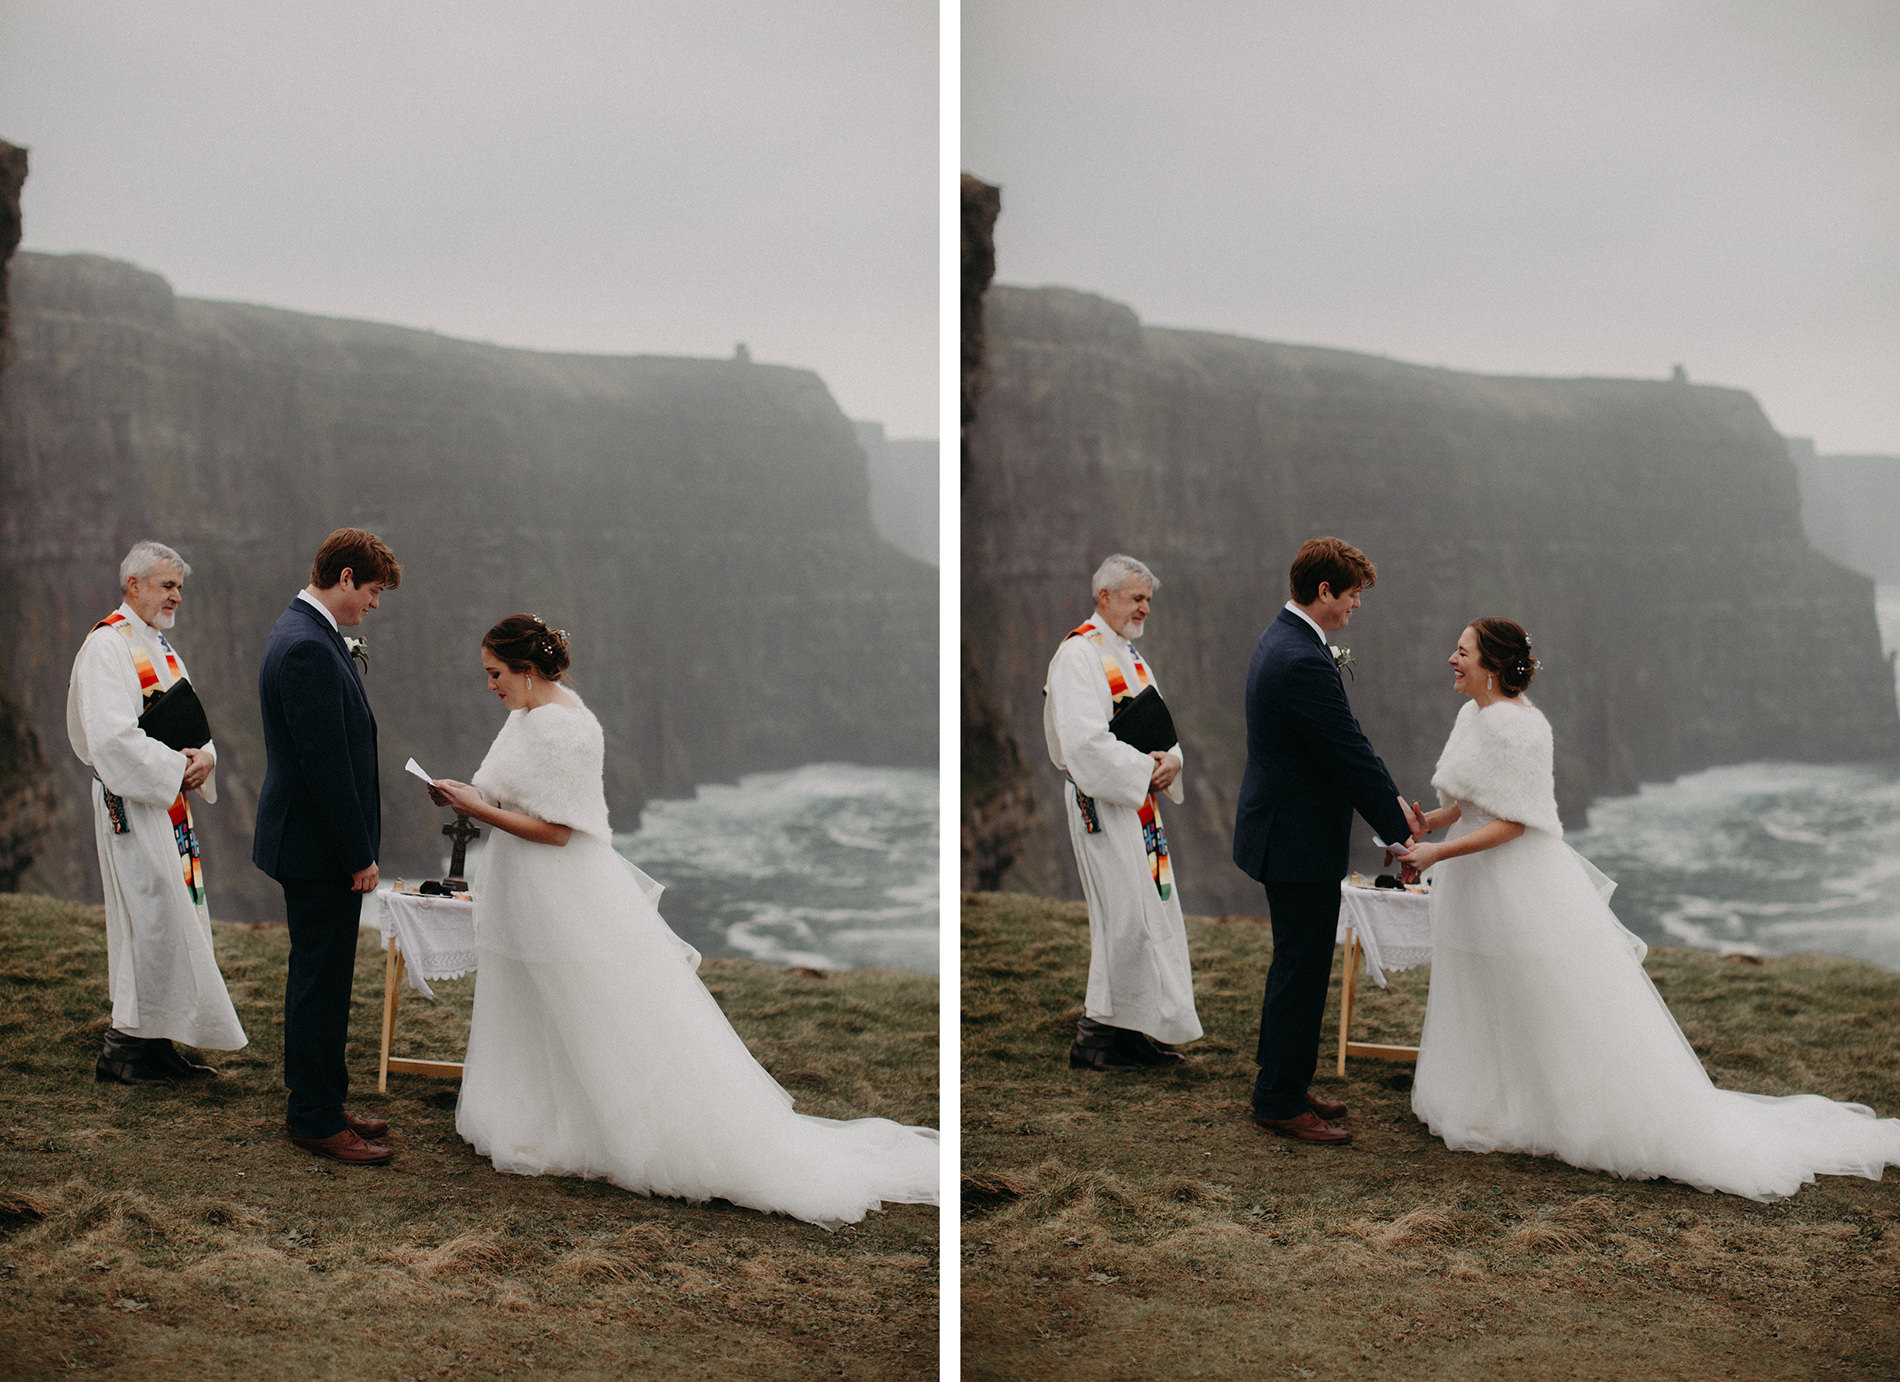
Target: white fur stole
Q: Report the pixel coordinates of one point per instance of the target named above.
(1498, 759)
(548, 762)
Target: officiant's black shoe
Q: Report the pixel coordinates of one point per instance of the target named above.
(131, 1060)
(345, 1146)
(166, 1056)
(1308, 1127)
(135, 1072)
(365, 1128)
(1148, 1051)
(1105, 1058)
(1099, 1046)
(1328, 1109)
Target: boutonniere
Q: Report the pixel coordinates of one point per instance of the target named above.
(1342, 659)
(359, 651)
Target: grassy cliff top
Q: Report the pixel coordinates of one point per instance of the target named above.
(161, 1233)
(1138, 1226)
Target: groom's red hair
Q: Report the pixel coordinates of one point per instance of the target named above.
(1339, 564)
(366, 557)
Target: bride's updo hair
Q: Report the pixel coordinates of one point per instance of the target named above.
(1505, 650)
(526, 644)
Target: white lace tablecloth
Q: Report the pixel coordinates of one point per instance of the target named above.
(437, 935)
(1394, 927)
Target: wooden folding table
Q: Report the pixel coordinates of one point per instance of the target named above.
(424, 938)
(1390, 928)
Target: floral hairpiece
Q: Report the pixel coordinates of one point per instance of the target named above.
(547, 647)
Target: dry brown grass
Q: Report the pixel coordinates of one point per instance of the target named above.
(1133, 1227)
(158, 1234)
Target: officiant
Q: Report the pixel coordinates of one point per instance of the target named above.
(1110, 734)
(161, 973)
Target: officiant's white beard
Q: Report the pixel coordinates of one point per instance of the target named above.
(164, 619)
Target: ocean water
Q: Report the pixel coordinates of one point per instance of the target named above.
(1761, 858)
(831, 865)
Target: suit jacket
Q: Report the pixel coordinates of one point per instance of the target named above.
(319, 814)
(1309, 766)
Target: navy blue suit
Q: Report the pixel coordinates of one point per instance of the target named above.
(1309, 767)
(319, 820)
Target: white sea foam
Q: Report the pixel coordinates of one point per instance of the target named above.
(832, 865)
(1759, 858)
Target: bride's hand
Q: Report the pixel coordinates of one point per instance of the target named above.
(1422, 856)
(459, 797)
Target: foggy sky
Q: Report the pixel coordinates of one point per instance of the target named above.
(566, 175)
(1557, 187)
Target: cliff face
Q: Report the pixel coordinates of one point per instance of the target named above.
(1647, 534)
(903, 474)
(699, 527)
(12, 179)
(26, 792)
(998, 799)
(1850, 507)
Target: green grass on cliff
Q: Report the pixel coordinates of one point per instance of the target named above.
(173, 1233)
(1127, 1227)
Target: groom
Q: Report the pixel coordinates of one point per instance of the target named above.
(1309, 767)
(319, 828)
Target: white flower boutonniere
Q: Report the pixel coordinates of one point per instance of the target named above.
(1342, 659)
(359, 650)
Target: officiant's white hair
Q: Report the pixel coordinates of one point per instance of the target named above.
(145, 558)
(1118, 571)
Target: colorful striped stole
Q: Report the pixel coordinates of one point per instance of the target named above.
(182, 833)
(1153, 838)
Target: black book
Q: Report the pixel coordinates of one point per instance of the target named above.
(1144, 722)
(176, 718)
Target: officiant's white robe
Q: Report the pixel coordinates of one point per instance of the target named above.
(163, 976)
(1139, 974)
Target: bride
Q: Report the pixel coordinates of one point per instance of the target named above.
(594, 1050)
(1542, 1032)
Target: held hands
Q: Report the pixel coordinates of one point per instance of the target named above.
(198, 766)
(1167, 768)
(1417, 854)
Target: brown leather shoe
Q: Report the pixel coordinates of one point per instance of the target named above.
(1308, 1127)
(345, 1146)
(376, 1127)
(1325, 1108)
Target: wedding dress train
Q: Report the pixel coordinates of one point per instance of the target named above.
(1544, 1035)
(595, 1050)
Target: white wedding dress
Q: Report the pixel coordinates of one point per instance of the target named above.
(595, 1050)
(1544, 1035)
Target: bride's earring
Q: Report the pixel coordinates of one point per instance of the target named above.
(1490, 683)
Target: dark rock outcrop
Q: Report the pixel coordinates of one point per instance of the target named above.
(26, 789)
(998, 801)
(700, 527)
(1648, 535)
(12, 180)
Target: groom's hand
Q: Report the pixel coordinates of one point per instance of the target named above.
(363, 880)
(1167, 768)
(1413, 820)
